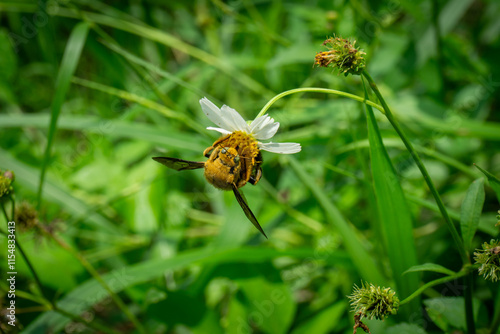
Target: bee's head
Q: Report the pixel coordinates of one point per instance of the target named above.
(229, 156)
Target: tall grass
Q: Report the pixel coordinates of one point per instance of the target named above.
(382, 192)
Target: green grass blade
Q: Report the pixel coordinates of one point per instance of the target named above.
(493, 180)
(152, 68)
(362, 260)
(91, 292)
(471, 211)
(394, 214)
(431, 267)
(167, 112)
(111, 128)
(169, 40)
(69, 62)
(27, 176)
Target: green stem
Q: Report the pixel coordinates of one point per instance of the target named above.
(40, 286)
(92, 324)
(469, 312)
(421, 167)
(318, 90)
(5, 213)
(496, 317)
(88, 266)
(424, 287)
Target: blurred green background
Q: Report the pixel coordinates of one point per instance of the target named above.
(180, 254)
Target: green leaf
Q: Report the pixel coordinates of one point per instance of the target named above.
(69, 62)
(471, 211)
(363, 261)
(270, 305)
(27, 176)
(324, 321)
(114, 128)
(448, 312)
(494, 181)
(395, 217)
(91, 292)
(405, 328)
(431, 267)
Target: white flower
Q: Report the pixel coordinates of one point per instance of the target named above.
(262, 128)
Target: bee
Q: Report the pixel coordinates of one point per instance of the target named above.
(233, 161)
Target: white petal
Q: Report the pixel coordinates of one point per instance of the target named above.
(233, 119)
(223, 131)
(257, 123)
(213, 113)
(283, 148)
(260, 122)
(268, 131)
(264, 127)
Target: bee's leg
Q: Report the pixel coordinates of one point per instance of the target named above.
(257, 170)
(208, 151)
(255, 177)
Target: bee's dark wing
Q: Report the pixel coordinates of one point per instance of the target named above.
(246, 209)
(179, 164)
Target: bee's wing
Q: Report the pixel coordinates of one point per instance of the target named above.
(179, 164)
(246, 209)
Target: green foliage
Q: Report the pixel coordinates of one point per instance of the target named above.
(472, 207)
(91, 90)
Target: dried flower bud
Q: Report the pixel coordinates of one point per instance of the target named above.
(489, 258)
(6, 180)
(26, 216)
(372, 301)
(343, 55)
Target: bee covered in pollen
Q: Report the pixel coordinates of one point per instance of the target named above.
(235, 159)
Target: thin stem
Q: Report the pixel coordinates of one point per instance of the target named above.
(421, 167)
(88, 266)
(424, 287)
(92, 324)
(496, 317)
(31, 268)
(40, 286)
(318, 90)
(21, 250)
(13, 208)
(5, 213)
(469, 312)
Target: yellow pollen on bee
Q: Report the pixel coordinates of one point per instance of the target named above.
(233, 161)
(244, 143)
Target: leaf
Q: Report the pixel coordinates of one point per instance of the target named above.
(405, 328)
(59, 194)
(363, 261)
(324, 321)
(270, 305)
(471, 211)
(494, 181)
(431, 267)
(448, 312)
(91, 292)
(69, 62)
(395, 217)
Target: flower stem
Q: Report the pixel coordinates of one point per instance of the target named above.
(88, 266)
(21, 250)
(466, 270)
(51, 303)
(318, 90)
(91, 324)
(421, 167)
(469, 312)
